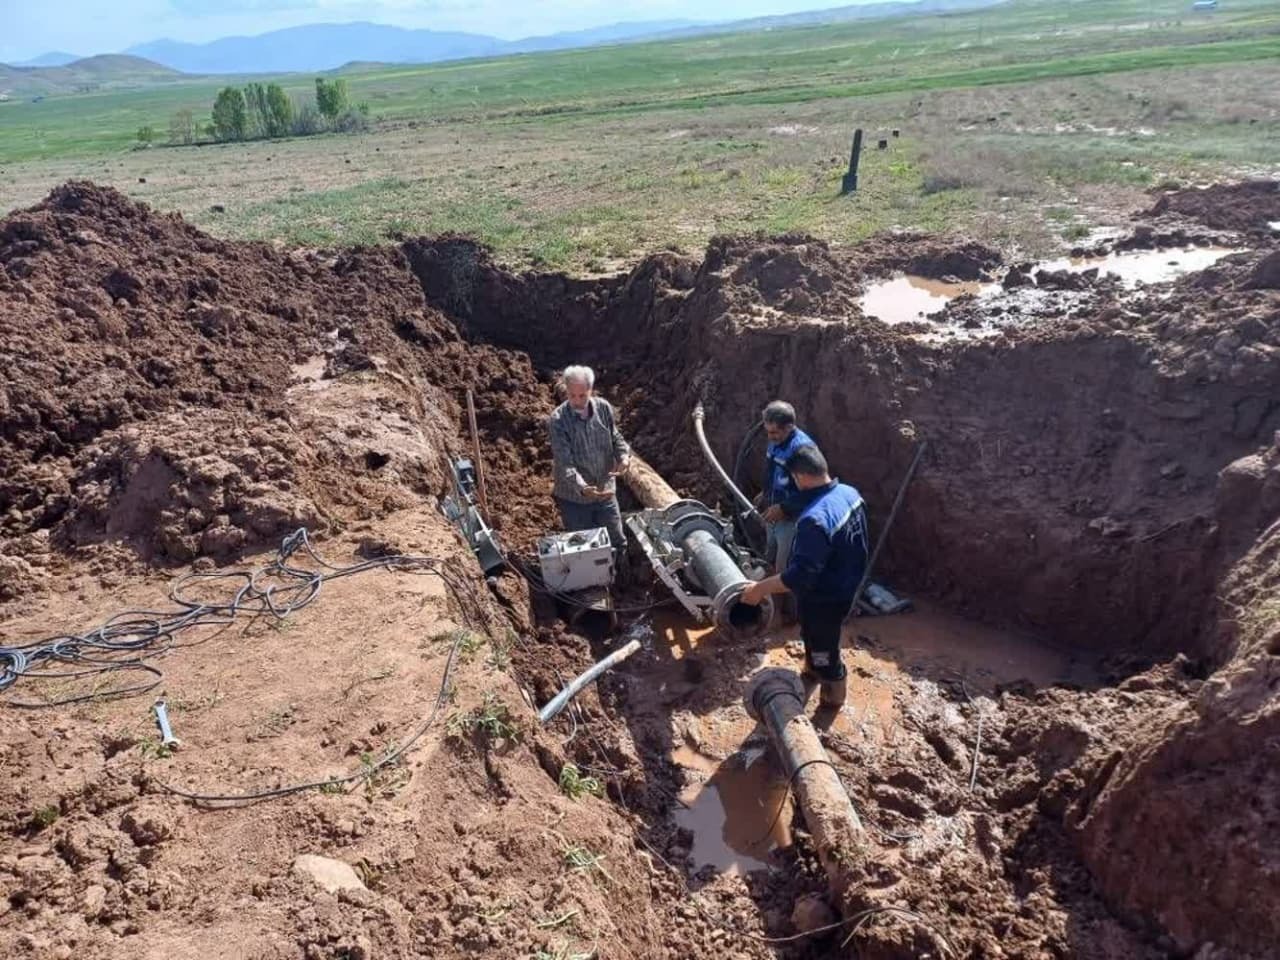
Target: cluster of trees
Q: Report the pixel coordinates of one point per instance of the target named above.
(262, 111)
(257, 113)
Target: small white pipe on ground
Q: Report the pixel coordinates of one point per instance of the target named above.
(561, 699)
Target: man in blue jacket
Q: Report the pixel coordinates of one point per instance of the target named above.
(785, 438)
(827, 562)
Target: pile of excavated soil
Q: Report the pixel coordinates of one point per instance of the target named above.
(143, 368)
(1101, 478)
(1249, 206)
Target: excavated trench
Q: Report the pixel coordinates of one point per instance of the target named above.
(1050, 751)
(1068, 536)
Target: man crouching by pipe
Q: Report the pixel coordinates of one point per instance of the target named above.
(827, 562)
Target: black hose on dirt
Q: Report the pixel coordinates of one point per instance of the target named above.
(128, 642)
(748, 532)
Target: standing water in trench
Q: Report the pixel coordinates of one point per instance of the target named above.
(736, 803)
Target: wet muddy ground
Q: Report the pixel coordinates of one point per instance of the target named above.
(909, 298)
(1086, 544)
(735, 803)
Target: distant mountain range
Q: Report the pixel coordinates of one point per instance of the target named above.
(329, 46)
(54, 58)
(861, 11)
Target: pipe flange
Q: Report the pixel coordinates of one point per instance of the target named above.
(769, 683)
(723, 604)
(685, 516)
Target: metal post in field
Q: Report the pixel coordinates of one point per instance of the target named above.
(850, 182)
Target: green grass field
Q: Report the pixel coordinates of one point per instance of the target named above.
(587, 158)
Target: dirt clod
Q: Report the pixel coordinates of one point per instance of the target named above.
(812, 913)
(329, 874)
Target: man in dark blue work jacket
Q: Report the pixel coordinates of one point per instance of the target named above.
(827, 561)
(785, 438)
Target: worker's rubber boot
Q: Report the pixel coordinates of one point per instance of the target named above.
(833, 693)
(810, 681)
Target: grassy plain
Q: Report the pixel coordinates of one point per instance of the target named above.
(1021, 124)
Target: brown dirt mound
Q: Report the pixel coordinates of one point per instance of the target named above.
(122, 323)
(1247, 206)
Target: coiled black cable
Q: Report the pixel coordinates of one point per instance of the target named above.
(128, 641)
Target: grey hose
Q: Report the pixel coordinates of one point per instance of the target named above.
(698, 416)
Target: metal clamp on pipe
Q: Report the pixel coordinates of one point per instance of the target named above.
(693, 552)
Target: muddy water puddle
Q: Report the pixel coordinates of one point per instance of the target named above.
(738, 814)
(933, 643)
(907, 298)
(1135, 267)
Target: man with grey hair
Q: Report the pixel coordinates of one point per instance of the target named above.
(589, 454)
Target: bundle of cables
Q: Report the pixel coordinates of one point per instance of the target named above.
(127, 643)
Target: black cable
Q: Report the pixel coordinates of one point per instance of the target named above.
(128, 640)
(739, 462)
(362, 774)
(791, 782)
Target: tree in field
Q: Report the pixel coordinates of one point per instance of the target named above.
(182, 128)
(331, 97)
(146, 135)
(279, 111)
(306, 120)
(230, 117)
(258, 123)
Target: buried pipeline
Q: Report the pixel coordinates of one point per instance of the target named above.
(693, 551)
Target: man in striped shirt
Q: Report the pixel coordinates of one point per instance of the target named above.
(589, 454)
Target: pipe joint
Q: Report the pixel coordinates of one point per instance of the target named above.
(772, 684)
(737, 619)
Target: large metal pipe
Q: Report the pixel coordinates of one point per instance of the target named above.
(723, 581)
(647, 485)
(696, 531)
(776, 698)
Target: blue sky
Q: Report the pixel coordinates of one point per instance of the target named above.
(31, 27)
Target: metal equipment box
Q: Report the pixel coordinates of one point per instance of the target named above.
(576, 561)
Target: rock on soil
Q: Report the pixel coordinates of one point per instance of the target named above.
(327, 873)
